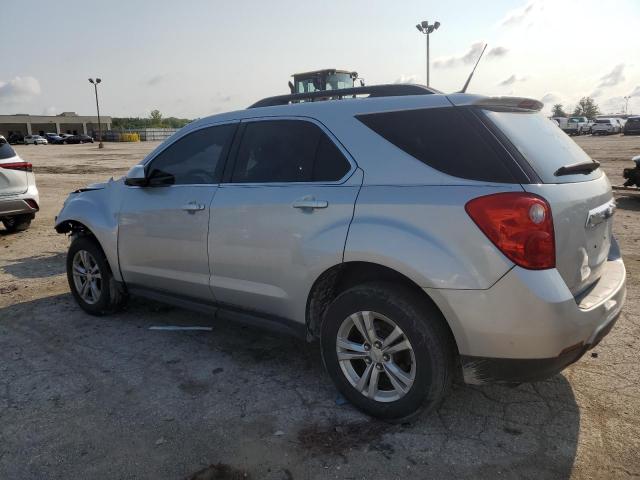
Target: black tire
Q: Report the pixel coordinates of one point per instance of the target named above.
(112, 295)
(424, 327)
(18, 223)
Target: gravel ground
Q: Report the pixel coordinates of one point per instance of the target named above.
(85, 397)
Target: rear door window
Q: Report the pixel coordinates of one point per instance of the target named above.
(542, 144)
(284, 151)
(451, 140)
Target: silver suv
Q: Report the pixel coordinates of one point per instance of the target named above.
(418, 235)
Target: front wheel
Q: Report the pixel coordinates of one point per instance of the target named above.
(388, 350)
(90, 278)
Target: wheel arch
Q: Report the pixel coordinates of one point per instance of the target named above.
(339, 278)
(75, 227)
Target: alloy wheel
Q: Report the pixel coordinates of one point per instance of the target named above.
(376, 356)
(87, 277)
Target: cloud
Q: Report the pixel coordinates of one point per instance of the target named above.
(406, 79)
(49, 111)
(614, 77)
(551, 98)
(19, 88)
(470, 56)
(155, 80)
(511, 80)
(497, 52)
(636, 92)
(613, 105)
(518, 15)
(596, 93)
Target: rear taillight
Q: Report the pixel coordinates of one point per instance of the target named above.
(519, 224)
(24, 166)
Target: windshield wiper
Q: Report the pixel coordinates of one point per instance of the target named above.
(584, 167)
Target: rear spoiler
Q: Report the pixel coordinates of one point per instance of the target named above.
(510, 103)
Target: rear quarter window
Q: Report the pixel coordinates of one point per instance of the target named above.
(451, 140)
(6, 150)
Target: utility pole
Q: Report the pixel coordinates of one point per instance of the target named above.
(95, 86)
(426, 29)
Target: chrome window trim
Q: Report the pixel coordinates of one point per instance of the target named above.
(352, 163)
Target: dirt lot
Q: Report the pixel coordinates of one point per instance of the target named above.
(85, 397)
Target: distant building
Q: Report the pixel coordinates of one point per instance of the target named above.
(66, 122)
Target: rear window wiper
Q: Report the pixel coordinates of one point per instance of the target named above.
(584, 167)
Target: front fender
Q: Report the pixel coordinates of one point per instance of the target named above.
(97, 209)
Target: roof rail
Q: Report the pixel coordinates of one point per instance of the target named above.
(389, 90)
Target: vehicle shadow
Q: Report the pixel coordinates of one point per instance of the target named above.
(628, 203)
(243, 398)
(47, 264)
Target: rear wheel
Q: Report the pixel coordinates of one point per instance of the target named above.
(90, 278)
(17, 223)
(388, 350)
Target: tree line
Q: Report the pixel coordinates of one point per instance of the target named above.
(586, 107)
(154, 120)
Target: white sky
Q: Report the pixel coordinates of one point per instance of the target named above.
(196, 58)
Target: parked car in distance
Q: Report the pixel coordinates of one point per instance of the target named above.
(54, 138)
(576, 126)
(16, 139)
(34, 140)
(81, 138)
(605, 126)
(561, 121)
(19, 200)
(632, 127)
(417, 235)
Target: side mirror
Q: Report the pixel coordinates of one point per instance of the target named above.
(136, 177)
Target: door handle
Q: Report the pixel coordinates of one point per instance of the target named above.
(193, 207)
(310, 203)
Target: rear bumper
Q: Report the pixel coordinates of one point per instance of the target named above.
(18, 205)
(528, 326)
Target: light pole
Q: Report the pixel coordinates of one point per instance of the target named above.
(426, 29)
(95, 86)
(626, 104)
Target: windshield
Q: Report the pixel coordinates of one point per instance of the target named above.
(603, 121)
(542, 144)
(338, 81)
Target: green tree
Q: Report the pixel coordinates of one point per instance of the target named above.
(156, 118)
(558, 111)
(586, 107)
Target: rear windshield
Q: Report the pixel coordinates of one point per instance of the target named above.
(6, 151)
(451, 140)
(603, 121)
(542, 144)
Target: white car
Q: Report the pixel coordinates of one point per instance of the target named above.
(35, 139)
(605, 126)
(19, 200)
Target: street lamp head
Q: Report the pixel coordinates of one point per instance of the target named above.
(419, 27)
(91, 80)
(436, 25)
(98, 80)
(424, 24)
